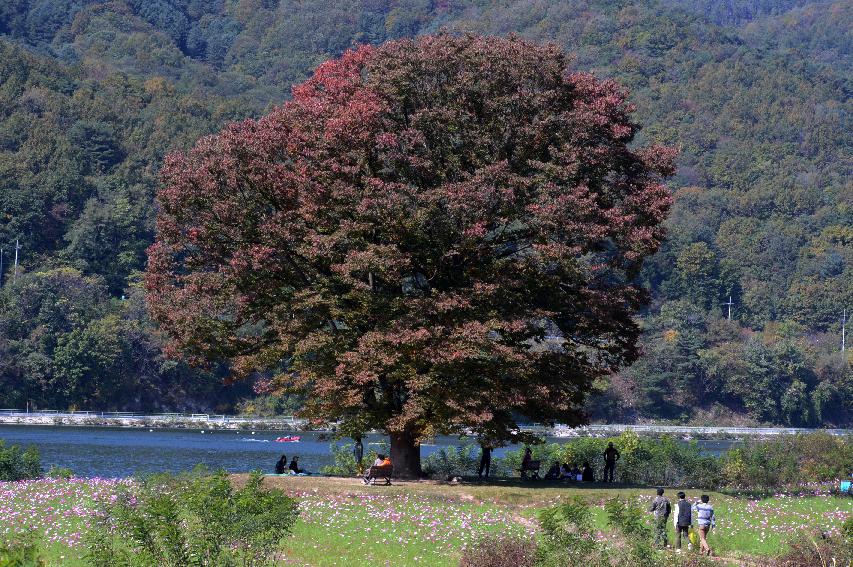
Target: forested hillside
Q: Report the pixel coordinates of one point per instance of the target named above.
(93, 94)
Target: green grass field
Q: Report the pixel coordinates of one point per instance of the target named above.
(345, 523)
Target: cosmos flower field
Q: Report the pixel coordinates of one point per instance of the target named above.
(416, 525)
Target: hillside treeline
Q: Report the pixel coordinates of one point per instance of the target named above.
(93, 94)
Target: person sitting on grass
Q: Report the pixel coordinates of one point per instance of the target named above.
(706, 520)
(294, 467)
(586, 473)
(566, 471)
(281, 465)
(577, 473)
(554, 472)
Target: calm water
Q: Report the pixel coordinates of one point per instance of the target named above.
(119, 452)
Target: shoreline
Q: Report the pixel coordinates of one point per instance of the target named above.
(290, 423)
(164, 421)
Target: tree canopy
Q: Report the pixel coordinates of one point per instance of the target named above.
(401, 236)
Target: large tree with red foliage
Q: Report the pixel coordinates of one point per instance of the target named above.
(431, 235)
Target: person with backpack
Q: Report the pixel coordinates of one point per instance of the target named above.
(662, 508)
(706, 520)
(682, 519)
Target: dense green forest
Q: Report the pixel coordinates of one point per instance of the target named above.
(756, 94)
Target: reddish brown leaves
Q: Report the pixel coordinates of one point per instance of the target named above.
(408, 229)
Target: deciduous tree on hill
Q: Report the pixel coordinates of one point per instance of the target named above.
(431, 235)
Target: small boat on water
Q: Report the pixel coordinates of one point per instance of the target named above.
(288, 439)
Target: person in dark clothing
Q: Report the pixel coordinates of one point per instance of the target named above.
(586, 473)
(682, 520)
(281, 465)
(294, 466)
(554, 472)
(611, 455)
(526, 462)
(358, 451)
(485, 461)
(662, 508)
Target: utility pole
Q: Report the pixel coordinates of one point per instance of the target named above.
(730, 303)
(17, 247)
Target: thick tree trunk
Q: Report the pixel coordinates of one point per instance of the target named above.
(405, 455)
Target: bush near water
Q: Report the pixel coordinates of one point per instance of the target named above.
(19, 464)
(756, 464)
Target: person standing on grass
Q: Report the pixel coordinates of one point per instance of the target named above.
(706, 520)
(661, 507)
(611, 455)
(357, 451)
(682, 520)
(485, 461)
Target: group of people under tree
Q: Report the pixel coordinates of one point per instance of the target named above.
(569, 472)
(281, 466)
(557, 471)
(683, 519)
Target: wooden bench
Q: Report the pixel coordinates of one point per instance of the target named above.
(533, 467)
(379, 472)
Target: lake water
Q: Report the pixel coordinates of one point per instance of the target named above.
(120, 452)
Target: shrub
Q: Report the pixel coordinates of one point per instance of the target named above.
(567, 535)
(500, 551)
(627, 519)
(568, 539)
(663, 461)
(59, 472)
(452, 461)
(788, 460)
(815, 550)
(197, 519)
(16, 464)
(22, 551)
(847, 530)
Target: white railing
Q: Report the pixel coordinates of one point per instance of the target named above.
(197, 417)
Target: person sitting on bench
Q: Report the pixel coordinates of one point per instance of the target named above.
(381, 461)
(529, 465)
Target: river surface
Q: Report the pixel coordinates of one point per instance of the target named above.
(121, 452)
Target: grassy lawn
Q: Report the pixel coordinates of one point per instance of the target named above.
(428, 523)
(343, 522)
